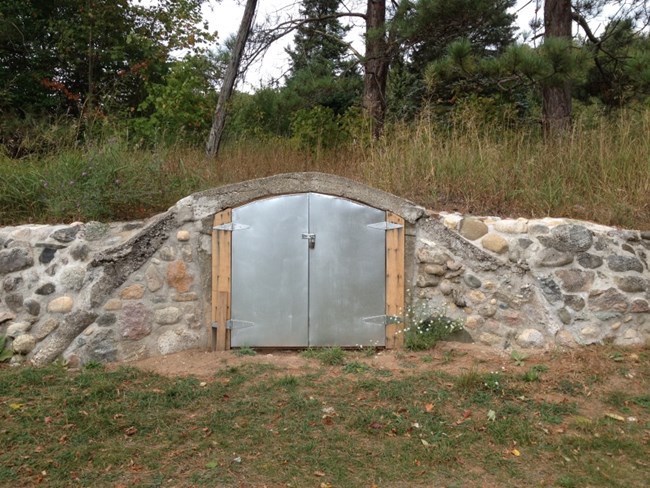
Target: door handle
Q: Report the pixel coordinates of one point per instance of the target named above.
(311, 239)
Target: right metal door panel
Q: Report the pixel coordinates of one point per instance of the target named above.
(347, 273)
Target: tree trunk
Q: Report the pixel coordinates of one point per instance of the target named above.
(376, 65)
(556, 99)
(219, 119)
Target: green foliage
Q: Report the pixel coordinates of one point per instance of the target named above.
(6, 353)
(180, 107)
(245, 351)
(330, 356)
(88, 60)
(518, 357)
(426, 326)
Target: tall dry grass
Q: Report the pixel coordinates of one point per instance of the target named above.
(599, 172)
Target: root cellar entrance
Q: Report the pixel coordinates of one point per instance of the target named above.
(307, 270)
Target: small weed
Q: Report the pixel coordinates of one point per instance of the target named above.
(540, 368)
(554, 412)
(617, 399)
(530, 376)
(355, 367)
(518, 357)
(93, 365)
(447, 357)
(427, 359)
(642, 401)
(330, 356)
(6, 352)
(569, 387)
(245, 351)
(469, 381)
(288, 381)
(566, 482)
(617, 356)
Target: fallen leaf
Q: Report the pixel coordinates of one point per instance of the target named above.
(376, 425)
(429, 407)
(117, 416)
(320, 474)
(130, 430)
(327, 420)
(491, 415)
(63, 439)
(515, 452)
(48, 420)
(424, 443)
(614, 417)
(325, 485)
(16, 406)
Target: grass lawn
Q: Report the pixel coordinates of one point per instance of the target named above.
(437, 418)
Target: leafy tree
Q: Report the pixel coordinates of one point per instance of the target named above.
(71, 56)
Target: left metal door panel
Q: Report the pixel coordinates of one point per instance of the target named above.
(270, 273)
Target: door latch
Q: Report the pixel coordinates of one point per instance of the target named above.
(311, 239)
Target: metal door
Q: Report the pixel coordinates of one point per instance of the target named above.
(347, 273)
(307, 270)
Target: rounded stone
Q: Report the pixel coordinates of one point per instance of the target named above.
(183, 235)
(47, 255)
(167, 253)
(12, 283)
(488, 310)
(94, 231)
(530, 338)
(472, 229)
(564, 338)
(167, 316)
(476, 296)
(509, 226)
(60, 305)
(551, 258)
(571, 238)
(640, 306)
(106, 320)
(14, 301)
(33, 307)
(631, 284)
(45, 328)
(624, 263)
(15, 259)
(473, 322)
(575, 280)
(495, 243)
(472, 281)
(135, 321)
(425, 280)
(153, 279)
(435, 269)
(177, 340)
(132, 292)
(23, 344)
(16, 329)
(113, 304)
(564, 315)
(589, 261)
(590, 332)
(610, 300)
(66, 234)
(72, 278)
(574, 302)
(445, 287)
(45, 289)
(178, 277)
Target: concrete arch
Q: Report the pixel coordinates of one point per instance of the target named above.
(203, 205)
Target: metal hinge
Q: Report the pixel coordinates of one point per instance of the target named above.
(385, 226)
(383, 320)
(231, 226)
(238, 324)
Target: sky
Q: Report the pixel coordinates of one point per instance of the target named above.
(225, 16)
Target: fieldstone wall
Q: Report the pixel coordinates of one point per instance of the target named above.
(105, 292)
(536, 283)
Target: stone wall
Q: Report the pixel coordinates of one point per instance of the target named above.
(104, 292)
(536, 283)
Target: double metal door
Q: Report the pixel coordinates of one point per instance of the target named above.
(308, 270)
